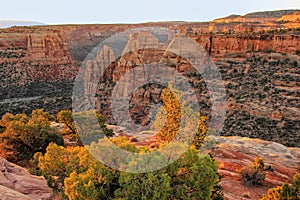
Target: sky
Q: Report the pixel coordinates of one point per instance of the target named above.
(133, 11)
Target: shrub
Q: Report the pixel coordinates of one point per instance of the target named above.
(253, 175)
(190, 177)
(23, 136)
(66, 117)
(285, 192)
(74, 172)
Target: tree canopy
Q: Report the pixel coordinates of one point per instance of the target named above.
(172, 117)
(25, 135)
(82, 177)
(286, 191)
(67, 118)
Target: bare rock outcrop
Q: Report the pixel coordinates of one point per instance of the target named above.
(9, 194)
(21, 184)
(234, 153)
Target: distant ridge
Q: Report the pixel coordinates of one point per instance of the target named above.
(232, 16)
(257, 15)
(10, 23)
(270, 14)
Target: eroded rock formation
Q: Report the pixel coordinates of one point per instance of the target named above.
(234, 153)
(17, 183)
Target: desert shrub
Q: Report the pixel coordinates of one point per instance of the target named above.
(169, 116)
(253, 175)
(190, 177)
(74, 172)
(66, 117)
(152, 185)
(23, 135)
(108, 132)
(97, 182)
(286, 191)
(59, 162)
(34, 164)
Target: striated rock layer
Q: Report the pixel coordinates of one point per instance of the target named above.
(35, 64)
(234, 153)
(9, 194)
(17, 183)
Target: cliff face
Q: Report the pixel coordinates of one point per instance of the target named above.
(261, 84)
(41, 53)
(140, 50)
(36, 69)
(238, 45)
(32, 55)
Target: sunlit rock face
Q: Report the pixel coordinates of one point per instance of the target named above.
(17, 183)
(234, 153)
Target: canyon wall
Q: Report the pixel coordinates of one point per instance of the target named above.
(259, 64)
(36, 70)
(238, 45)
(34, 51)
(262, 85)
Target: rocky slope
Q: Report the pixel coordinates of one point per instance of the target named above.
(17, 183)
(234, 153)
(9, 194)
(257, 55)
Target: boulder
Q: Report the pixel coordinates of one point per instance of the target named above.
(16, 181)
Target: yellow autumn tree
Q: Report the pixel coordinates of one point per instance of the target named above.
(286, 191)
(178, 119)
(25, 135)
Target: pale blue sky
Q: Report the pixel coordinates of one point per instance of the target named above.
(133, 11)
